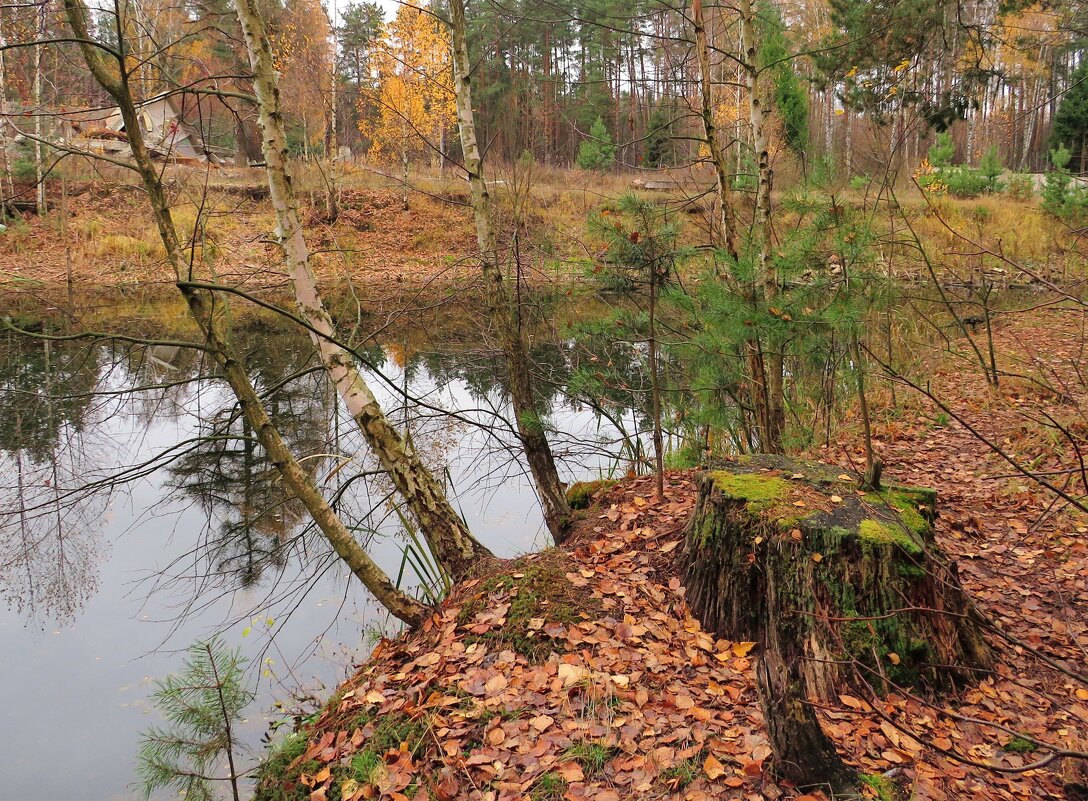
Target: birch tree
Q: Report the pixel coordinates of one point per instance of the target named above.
(414, 98)
(504, 313)
(209, 311)
(447, 535)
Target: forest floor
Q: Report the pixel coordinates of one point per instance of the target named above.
(578, 673)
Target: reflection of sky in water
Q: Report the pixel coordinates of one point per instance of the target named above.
(77, 687)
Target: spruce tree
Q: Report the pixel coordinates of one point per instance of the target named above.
(597, 152)
(790, 97)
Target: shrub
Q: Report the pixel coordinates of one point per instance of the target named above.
(1020, 187)
(964, 182)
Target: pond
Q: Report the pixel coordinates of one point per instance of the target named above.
(137, 515)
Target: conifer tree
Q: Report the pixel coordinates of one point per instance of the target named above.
(1071, 122)
(597, 152)
(201, 706)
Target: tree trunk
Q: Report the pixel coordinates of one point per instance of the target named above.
(446, 534)
(766, 289)
(505, 315)
(39, 115)
(210, 315)
(839, 589)
(710, 132)
(7, 184)
(655, 389)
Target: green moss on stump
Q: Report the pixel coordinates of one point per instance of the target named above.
(759, 490)
(878, 532)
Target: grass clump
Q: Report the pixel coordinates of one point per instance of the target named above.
(390, 732)
(278, 777)
(681, 774)
(592, 756)
(549, 787)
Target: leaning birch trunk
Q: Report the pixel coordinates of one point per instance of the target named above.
(504, 315)
(209, 315)
(761, 228)
(449, 539)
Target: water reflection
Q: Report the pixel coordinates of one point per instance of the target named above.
(61, 471)
(131, 490)
(49, 532)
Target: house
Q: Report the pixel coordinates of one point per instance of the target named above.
(166, 132)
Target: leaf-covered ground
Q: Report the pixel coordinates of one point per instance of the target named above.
(579, 673)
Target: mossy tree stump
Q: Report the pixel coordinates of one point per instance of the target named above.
(841, 590)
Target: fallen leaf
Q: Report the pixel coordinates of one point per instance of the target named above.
(713, 768)
(743, 648)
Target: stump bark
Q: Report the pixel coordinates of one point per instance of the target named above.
(842, 589)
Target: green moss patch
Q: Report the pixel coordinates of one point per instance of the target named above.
(539, 594)
(1018, 745)
(759, 490)
(879, 532)
(549, 787)
(884, 787)
(581, 494)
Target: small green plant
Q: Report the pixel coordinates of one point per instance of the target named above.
(963, 182)
(941, 153)
(681, 774)
(941, 420)
(591, 756)
(549, 787)
(202, 705)
(597, 152)
(883, 786)
(1020, 187)
(1059, 197)
(990, 167)
(859, 182)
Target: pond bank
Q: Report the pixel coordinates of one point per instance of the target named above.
(584, 676)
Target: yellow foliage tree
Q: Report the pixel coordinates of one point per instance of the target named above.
(413, 106)
(302, 48)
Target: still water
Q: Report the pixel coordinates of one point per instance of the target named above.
(103, 584)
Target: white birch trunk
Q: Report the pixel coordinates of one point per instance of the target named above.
(504, 314)
(446, 534)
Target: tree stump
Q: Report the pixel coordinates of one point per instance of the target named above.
(842, 589)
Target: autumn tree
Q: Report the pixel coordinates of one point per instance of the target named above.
(414, 99)
(303, 53)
